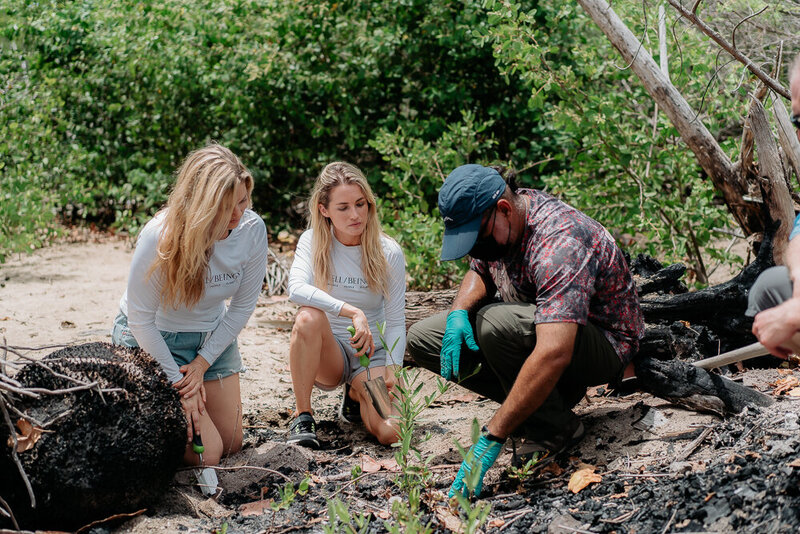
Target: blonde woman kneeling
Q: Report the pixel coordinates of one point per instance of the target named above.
(345, 272)
(203, 247)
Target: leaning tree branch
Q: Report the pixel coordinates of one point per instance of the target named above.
(709, 154)
(768, 80)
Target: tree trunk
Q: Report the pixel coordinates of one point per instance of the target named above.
(774, 189)
(707, 151)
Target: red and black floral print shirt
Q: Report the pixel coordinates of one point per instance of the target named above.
(570, 267)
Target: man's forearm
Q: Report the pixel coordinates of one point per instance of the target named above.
(539, 375)
(471, 293)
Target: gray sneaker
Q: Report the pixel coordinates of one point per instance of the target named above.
(303, 431)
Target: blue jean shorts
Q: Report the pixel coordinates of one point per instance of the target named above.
(184, 347)
(352, 365)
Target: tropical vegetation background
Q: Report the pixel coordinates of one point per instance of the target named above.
(100, 100)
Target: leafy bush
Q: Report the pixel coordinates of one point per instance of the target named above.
(126, 89)
(618, 158)
(100, 100)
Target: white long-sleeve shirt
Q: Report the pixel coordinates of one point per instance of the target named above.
(236, 270)
(348, 284)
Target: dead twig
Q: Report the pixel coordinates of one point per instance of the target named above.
(666, 527)
(6, 510)
(93, 524)
(238, 467)
(621, 518)
(690, 448)
(35, 392)
(520, 514)
(768, 80)
(643, 475)
(14, 455)
(351, 482)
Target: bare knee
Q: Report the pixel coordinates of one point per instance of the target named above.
(307, 321)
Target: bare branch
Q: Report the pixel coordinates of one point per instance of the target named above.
(6, 509)
(733, 33)
(709, 154)
(772, 83)
(14, 456)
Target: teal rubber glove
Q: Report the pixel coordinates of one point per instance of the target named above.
(456, 332)
(483, 454)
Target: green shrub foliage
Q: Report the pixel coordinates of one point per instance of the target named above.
(100, 101)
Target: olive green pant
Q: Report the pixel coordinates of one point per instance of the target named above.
(506, 335)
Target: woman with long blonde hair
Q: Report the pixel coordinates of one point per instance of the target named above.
(346, 273)
(203, 247)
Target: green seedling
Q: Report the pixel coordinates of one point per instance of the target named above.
(287, 494)
(363, 359)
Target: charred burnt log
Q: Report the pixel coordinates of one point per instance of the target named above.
(713, 318)
(695, 388)
(106, 450)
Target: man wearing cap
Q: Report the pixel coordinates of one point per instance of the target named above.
(569, 316)
(774, 299)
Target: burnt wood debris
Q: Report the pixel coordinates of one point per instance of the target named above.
(110, 445)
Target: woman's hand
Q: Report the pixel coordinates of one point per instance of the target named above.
(193, 407)
(192, 379)
(362, 340)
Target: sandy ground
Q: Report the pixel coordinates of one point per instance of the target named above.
(68, 293)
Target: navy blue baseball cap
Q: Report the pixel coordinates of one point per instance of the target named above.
(467, 192)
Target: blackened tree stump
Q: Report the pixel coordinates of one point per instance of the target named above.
(103, 454)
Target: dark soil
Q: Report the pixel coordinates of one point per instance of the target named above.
(743, 475)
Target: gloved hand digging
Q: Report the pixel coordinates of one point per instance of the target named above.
(457, 331)
(482, 455)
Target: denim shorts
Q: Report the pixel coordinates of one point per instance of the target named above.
(352, 366)
(184, 347)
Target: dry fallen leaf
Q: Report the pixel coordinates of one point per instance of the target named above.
(582, 478)
(448, 519)
(495, 523)
(389, 464)
(369, 465)
(618, 495)
(255, 507)
(785, 384)
(27, 437)
(795, 463)
(794, 392)
(553, 469)
(383, 514)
